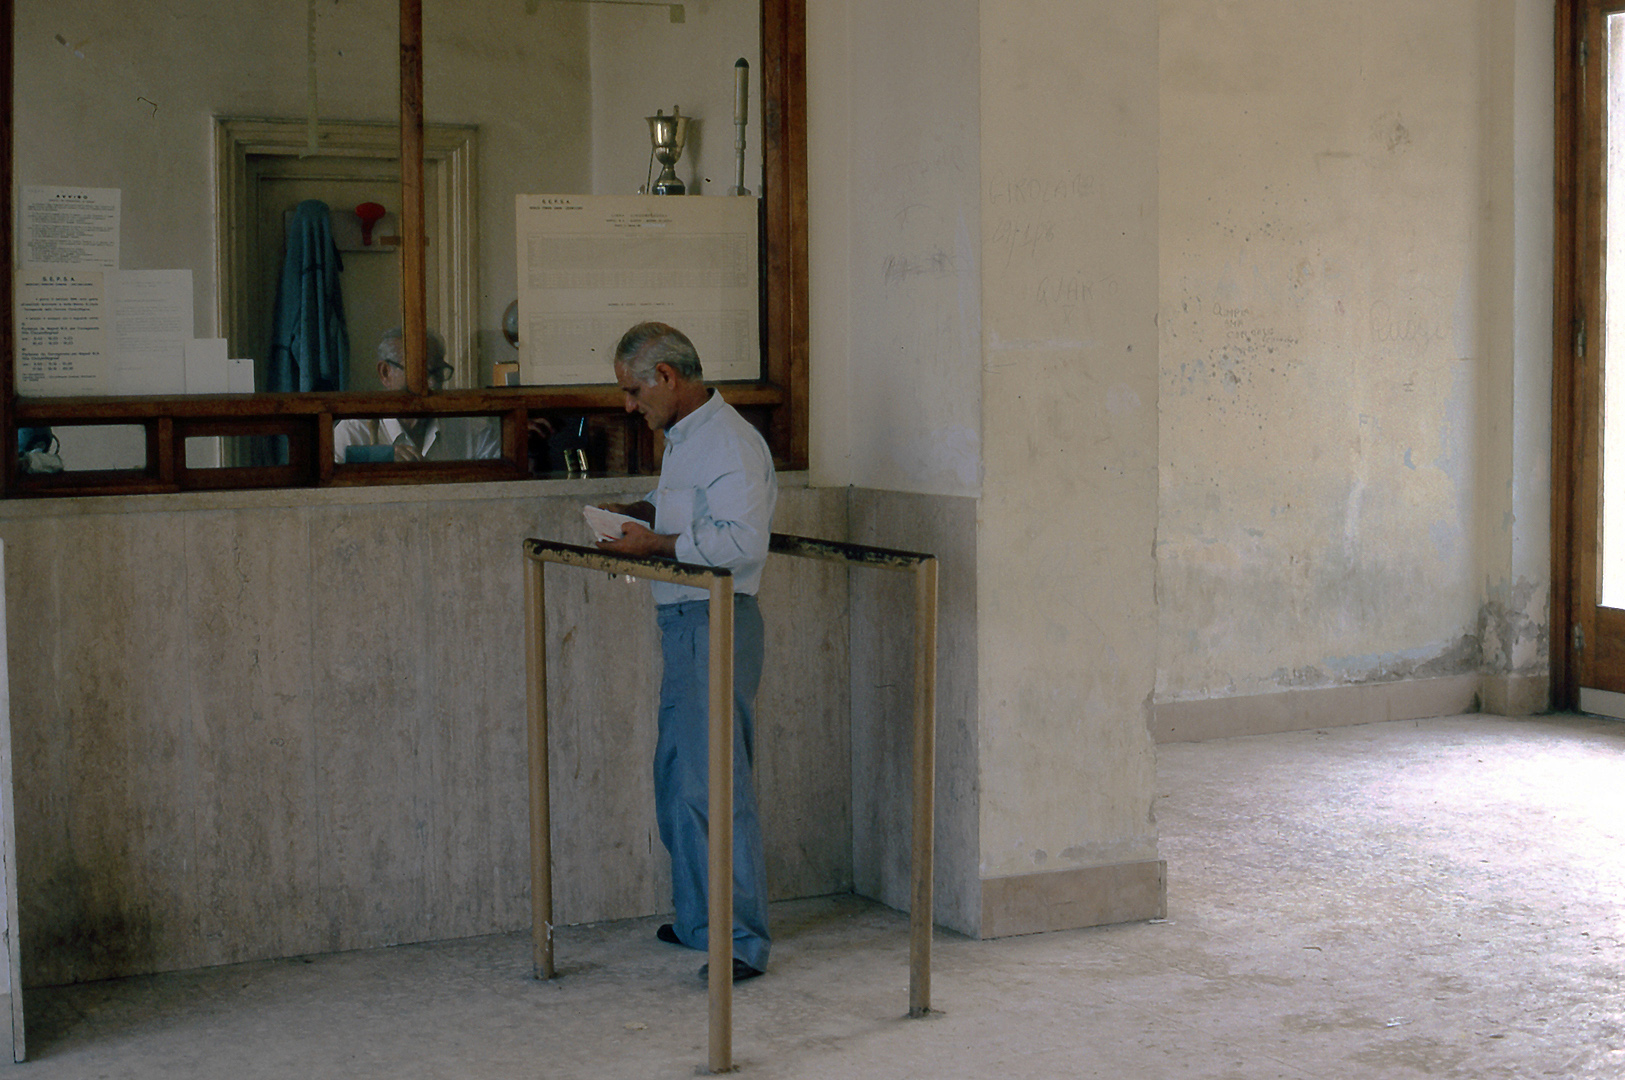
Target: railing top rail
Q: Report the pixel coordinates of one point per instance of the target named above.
(678, 573)
(835, 551)
(651, 566)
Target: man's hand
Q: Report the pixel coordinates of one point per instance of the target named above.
(638, 541)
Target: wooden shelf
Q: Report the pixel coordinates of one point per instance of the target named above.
(37, 412)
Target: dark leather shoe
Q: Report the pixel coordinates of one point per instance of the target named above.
(742, 971)
(668, 935)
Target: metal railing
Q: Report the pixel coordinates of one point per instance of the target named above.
(719, 583)
(921, 898)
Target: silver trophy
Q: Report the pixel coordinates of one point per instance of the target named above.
(668, 133)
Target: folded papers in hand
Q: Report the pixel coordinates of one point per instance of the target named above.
(605, 524)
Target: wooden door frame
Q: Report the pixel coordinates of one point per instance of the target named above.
(1567, 315)
(1578, 246)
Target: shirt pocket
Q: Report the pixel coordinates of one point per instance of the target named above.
(674, 511)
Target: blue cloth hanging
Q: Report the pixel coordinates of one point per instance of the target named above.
(310, 347)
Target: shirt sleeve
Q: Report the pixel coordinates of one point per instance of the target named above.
(487, 437)
(347, 433)
(731, 521)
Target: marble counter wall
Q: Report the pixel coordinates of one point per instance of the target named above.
(269, 724)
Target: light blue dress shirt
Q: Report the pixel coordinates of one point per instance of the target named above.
(717, 492)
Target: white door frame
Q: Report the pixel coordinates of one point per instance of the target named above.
(448, 150)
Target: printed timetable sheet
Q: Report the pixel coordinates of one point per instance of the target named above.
(102, 332)
(591, 266)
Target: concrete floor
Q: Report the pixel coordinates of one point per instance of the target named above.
(1443, 898)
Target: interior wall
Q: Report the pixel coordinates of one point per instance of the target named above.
(830, 231)
(895, 246)
(1326, 212)
(106, 100)
(894, 253)
(882, 701)
(11, 998)
(643, 62)
(984, 285)
(1516, 306)
(1301, 197)
(280, 723)
(1066, 610)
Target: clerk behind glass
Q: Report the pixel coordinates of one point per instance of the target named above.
(416, 438)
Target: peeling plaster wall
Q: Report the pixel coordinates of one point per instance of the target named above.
(1066, 610)
(1322, 263)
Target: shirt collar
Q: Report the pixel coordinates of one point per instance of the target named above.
(391, 429)
(695, 420)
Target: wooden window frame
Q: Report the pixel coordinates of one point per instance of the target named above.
(778, 400)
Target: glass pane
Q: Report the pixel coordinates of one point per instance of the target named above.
(203, 452)
(118, 165)
(82, 448)
(361, 441)
(310, 299)
(565, 445)
(560, 94)
(1612, 508)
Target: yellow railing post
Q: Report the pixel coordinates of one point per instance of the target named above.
(720, 828)
(541, 833)
(719, 583)
(925, 787)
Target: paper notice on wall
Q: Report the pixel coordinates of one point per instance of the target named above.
(65, 228)
(113, 332)
(239, 376)
(592, 266)
(150, 322)
(208, 366)
(61, 334)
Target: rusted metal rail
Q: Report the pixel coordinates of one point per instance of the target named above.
(719, 583)
(922, 862)
(720, 879)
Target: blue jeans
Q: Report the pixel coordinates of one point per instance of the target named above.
(682, 767)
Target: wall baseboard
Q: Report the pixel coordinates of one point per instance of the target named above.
(1516, 695)
(1306, 710)
(1071, 899)
(11, 1008)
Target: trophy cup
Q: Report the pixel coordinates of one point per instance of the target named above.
(668, 133)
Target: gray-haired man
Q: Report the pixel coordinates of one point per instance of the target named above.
(714, 506)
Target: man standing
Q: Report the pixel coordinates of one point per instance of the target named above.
(714, 506)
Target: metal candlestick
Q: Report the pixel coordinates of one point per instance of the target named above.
(741, 97)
